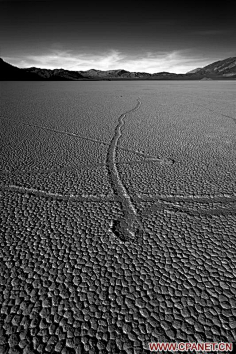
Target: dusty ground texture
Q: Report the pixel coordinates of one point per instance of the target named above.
(119, 215)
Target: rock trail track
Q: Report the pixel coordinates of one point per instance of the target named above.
(129, 226)
(217, 112)
(167, 161)
(159, 202)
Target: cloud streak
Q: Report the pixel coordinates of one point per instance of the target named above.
(175, 61)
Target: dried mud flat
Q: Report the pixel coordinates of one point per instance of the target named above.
(119, 215)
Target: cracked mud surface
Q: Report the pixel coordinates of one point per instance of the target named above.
(119, 216)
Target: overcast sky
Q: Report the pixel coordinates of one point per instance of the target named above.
(148, 36)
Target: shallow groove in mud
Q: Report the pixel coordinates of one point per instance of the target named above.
(65, 133)
(130, 228)
(189, 211)
(187, 198)
(217, 112)
(37, 171)
(147, 158)
(55, 196)
(126, 229)
(165, 202)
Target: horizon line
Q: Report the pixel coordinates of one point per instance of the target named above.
(106, 62)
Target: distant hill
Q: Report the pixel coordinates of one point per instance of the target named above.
(222, 69)
(10, 72)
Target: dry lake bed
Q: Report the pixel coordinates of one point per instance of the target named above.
(118, 225)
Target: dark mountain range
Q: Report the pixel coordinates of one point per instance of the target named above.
(10, 72)
(115, 74)
(55, 74)
(223, 69)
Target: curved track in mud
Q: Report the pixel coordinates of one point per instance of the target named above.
(129, 227)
